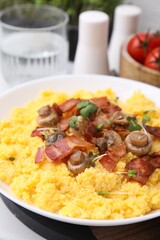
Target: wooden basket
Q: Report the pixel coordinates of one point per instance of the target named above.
(129, 68)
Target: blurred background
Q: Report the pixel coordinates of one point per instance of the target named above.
(73, 8)
(148, 21)
(150, 16)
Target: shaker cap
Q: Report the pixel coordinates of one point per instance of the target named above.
(126, 18)
(93, 27)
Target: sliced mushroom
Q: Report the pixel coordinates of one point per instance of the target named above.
(101, 143)
(52, 138)
(78, 162)
(80, 126)
(119, 118)
(112, 138)
(109, 139)
(139, 143)
(44, 111)
(47, 117)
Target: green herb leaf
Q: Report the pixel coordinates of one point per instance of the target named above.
(109, 122)
(91, 155)
(99, 127)
(82, 104)
(92, 164)
(103, 193)
(132, 173)
(11, 158)
(116, 99)
(145, 119)
(134, 119)
(149, 111)
(90, 108)
(72, 122)
(133, 125)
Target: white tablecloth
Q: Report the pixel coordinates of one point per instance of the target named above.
(10, 227)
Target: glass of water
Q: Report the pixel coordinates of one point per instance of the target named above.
(33, 42)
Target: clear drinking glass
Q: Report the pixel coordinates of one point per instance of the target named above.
(33, 42)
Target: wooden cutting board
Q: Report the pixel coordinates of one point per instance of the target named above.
(148, 230)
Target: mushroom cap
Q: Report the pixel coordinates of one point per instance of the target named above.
(52, 138)
(44, 111)
(112, 138)
(119, 118)
(139, 143)
(49, 120)
(78, 162)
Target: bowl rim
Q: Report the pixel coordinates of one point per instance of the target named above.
(86, 222)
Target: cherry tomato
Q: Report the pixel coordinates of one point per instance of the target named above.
(153, 59)
(155, 41)
(138, 46)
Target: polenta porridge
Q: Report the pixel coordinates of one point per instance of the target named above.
(87, 155)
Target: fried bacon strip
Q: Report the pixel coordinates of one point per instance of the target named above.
(113, 156)
(91, 132)
(155, 159)
(144, 167)
(68, 105)
(64, 123)
(58, 151)
(102, 118)
(105, 105)
(155, 131)
(39, 132)
(57, 109)
(39, 155)
(100, 102)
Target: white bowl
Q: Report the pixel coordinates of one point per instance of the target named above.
(20, 95)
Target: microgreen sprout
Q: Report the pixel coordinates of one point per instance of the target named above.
(49, 131)
(145, 119)
(100, 126)
(82, 104)
(99, 157)
(109, 122)
(106, 194)
(148, 111)
(130, 173)
(48, 128)
(90, 108)
(94, 158)
(73, 121)
(103, 193)
(133, 124)
(11, 158)
(116, 99)
(91, 156)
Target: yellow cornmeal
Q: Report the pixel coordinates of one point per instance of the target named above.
(51, 186)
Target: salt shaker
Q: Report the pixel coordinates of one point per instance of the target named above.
(91, 54)
(126, 18)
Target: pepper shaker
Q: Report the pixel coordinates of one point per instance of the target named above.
(91, 54)
(126, 18)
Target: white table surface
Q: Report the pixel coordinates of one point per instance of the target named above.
(10, 227)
